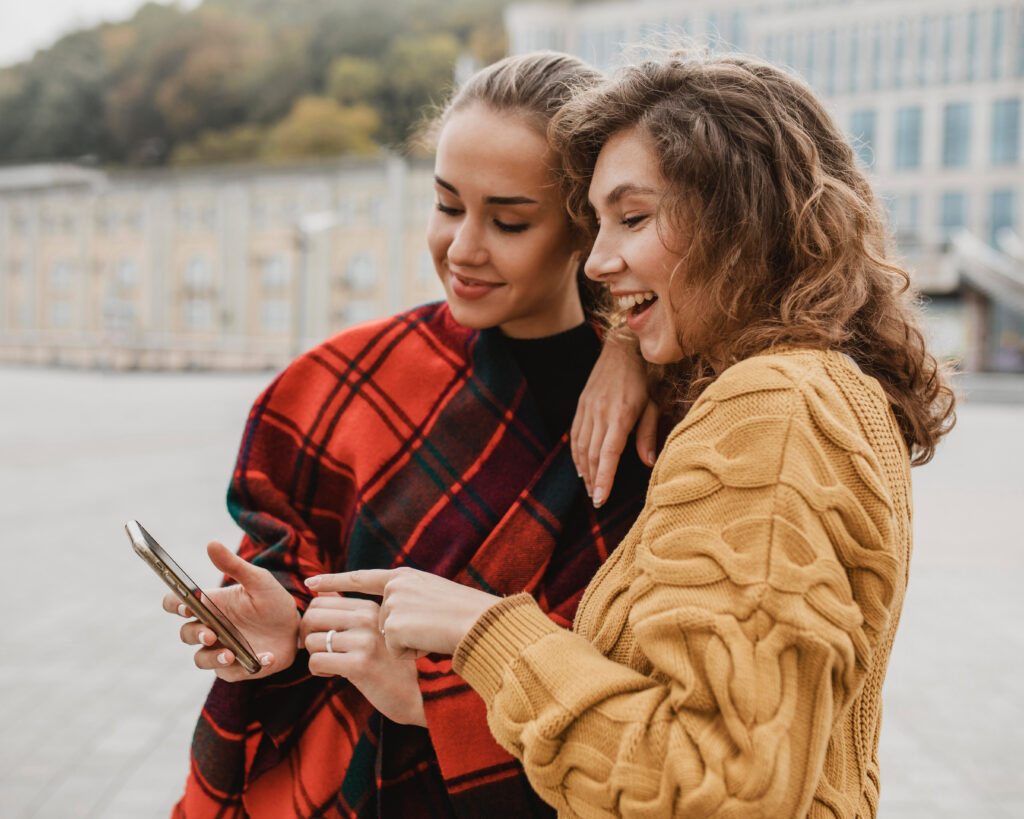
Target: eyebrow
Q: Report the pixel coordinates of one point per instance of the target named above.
(490, 200)
(625, 189)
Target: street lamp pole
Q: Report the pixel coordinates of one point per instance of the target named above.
(306, 226)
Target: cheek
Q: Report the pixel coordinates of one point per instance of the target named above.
(439, 238)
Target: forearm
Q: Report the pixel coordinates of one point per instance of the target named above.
(601, 739)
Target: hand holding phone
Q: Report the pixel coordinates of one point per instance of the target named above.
(257, 605)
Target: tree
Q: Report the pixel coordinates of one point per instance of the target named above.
(419, 72)
(352, 80)
(233, 145)
(318, 126)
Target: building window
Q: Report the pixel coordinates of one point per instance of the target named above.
(362, 272)
(900, 55)
(904, 216)
(60, 313)
(876, 58)
(60, 276)
(19, 222)
(862, 134)
(1005, 131)
(1019, 69)
(259, 214)
(275, 315)
(126, 273)
(956, 134)
(998, 42)
(924, 57)
(832, 61)
(197, 274)
(345, 211)
(853, 83)
(378, 210)
(198, 314)
(908, 137)
(973, 20)
(739, 31)
(1001, 213)
(948, 45)
(952, 213)
(275, 273)
(811, 59)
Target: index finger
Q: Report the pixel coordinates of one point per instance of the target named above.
(367, 581)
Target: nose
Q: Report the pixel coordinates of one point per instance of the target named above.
(467, 248)
(604, 259)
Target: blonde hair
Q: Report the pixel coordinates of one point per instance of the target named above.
(533, 87)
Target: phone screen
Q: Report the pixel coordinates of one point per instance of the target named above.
(176, 577)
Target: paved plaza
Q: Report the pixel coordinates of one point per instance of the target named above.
(98, 697)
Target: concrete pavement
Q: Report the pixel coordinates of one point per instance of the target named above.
(98, 698)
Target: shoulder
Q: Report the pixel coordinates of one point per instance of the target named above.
(393, 353)
(756, 404)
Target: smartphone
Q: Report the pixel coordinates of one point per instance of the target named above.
(185, 587)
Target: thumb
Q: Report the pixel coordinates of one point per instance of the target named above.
(234, 566)
(647, 434)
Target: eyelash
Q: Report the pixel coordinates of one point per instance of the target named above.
(633, 221)
(504, 227)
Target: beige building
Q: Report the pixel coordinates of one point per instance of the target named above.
(239, 266)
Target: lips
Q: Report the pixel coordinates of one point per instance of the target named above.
(635, 306)
(471, 289)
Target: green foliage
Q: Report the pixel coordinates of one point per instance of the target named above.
(238, 143)
(354, 79)
(318, 126)
(239, 79)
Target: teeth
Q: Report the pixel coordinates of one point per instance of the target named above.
(630, 299)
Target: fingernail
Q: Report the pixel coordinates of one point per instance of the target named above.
(313, 582)
(202, 637)
(264, 659)
(649, 459)
(181, 610)
(598, 497)
(222, 658)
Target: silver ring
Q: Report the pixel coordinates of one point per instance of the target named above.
(330, 634)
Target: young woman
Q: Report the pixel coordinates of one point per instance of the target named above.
(436, 439)
(728, 658)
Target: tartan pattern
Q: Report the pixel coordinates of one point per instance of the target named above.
(405, 441)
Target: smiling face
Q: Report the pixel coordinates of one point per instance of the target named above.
(499, 234)
(629, 255)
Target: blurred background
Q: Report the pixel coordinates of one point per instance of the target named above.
(221, 184)
(192, 193)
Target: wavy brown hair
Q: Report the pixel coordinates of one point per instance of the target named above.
(786, 244)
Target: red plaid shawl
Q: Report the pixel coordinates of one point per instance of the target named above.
(407, 441)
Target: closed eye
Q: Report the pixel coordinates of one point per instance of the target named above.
(633, 221)
(448, 211)
(506, 227)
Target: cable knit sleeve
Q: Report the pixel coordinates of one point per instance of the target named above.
(743, 614)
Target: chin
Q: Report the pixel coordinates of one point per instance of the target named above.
(468, 317)
(660, 353)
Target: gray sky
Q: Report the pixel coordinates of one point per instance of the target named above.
(28, 25)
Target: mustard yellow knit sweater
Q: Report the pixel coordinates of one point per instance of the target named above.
(728, 658)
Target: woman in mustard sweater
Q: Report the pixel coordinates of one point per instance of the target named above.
(728, 658)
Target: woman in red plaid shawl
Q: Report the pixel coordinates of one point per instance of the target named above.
(436, 439)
